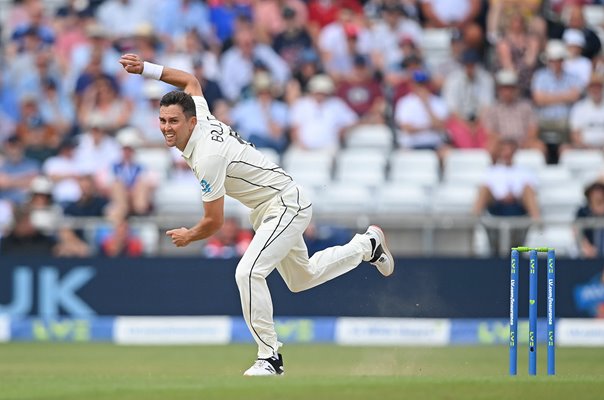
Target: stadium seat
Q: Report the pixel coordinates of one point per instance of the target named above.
(466, 166)
(344, 198)
(309, 168)
(415, 167)
(560, 237)
(370, 137)
(157, 160)
(435, 45)
(454, 199)
(578, 161)
(361, 166)
(531, 159)
(560, 202)
(554, 176)
(178, 198)
(403, 198)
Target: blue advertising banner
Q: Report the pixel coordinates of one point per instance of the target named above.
(492, 331)
(62, 330)
(424, 288)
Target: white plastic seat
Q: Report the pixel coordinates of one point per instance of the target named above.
(531, 159)
(554, 175)
(178, 198)
(343, 198)
(310, 168)
(454, 199)
(435, 45)
(415, 167)
(577, 160)
(560, 202)
(366, 167)
(402, 198)
(560, 237)
(370, 137)
(466, 166)
(157, 160)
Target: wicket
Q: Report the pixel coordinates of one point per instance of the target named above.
(551, 314)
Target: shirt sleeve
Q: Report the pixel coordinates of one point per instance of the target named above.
(201, 107)
(212, 175)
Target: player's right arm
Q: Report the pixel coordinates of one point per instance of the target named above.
(133, 64)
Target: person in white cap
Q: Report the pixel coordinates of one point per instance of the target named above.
(575, 63)
(320, 120)
(225, 164)
(554, 91)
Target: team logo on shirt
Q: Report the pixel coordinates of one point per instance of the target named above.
(205, 186)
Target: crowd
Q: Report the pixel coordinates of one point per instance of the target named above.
(284, 74)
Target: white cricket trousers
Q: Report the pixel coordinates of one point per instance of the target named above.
(278, 243)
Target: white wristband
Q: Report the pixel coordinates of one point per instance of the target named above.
(152, 71)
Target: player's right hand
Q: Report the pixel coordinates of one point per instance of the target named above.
(132, 63)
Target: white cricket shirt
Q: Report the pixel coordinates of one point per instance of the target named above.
(225, 164)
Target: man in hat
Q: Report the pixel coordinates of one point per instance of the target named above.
(320, 119)
(587, 118)
(511, 117)
(554, 91)
(576, 64)
(225, 164)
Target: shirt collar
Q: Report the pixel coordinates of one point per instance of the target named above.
(188, 151)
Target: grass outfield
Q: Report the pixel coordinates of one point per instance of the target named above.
(105, 371)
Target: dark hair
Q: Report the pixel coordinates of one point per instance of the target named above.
(184, 100)
(593, 188)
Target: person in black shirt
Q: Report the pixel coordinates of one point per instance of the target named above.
(592, 239)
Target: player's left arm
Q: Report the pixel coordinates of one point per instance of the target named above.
(213, 218)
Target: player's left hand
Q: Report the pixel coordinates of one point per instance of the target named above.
(179, 236)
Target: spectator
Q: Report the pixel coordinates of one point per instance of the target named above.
(450, 63)
(450, 14)
(56, 108)
(121, 242)
(145, 119)
(388, 32)
(96, 149)
(34, 131)
(508, 190)
(211, 89)
(224, 15)
(502, 11)
(518, 50)
(90, 203)
(320, 120)
(101, 101)
(64, 169)
(511, 118)
(270, 18)
(231, 241)
(323, 12)
(554, 91)
(25, 239)
(466, 91)
(123, 17)
(262, 119)
(293, 40)
(16, 172)
(339, 41)
(592, 239)
(238, 63)
(130, 187)
(587, 118)
(467, 134)
(576, 64)
(363, 93)
(573, 18)
(174, 19)
(421, 115)
(308, 67)
(6, 218)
